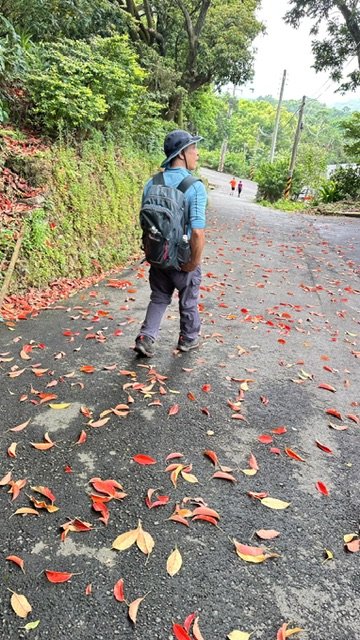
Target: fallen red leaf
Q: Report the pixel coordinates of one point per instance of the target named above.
(322, 488)
(82, 438)
(189, 620)
(206, 518)
(87, 368)
(58, 576)
(119, 590)
(253, 462)
(334, 412)
(224, 476)
(212, 456)
(176, 454)
(206, 388)
(275, 450)
(324, 447)
(16, 560)
(180, 633)
(265, 439)
(295, 456)
(279, 430)
(143, 459)
(173, 410)
(327, 387)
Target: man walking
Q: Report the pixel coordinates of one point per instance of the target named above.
(181, 158)
(240, 188)
(233, 185)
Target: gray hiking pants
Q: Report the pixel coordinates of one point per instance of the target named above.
(163, 284)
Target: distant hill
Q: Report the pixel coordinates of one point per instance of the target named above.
(353, 104)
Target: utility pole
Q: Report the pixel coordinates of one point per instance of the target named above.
(294, 150)
(277, 119)
(224, 145)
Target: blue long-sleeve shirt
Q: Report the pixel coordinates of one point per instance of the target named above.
(196, 196)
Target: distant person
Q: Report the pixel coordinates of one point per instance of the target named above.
(240, 188)
(233, 186)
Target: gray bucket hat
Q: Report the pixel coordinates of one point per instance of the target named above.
(175, 142)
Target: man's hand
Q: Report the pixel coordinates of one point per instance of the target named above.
(189, 266)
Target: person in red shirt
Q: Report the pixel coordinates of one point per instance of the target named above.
(233, 184)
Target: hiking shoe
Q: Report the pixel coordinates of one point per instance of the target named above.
(186, 345)
(144, 346)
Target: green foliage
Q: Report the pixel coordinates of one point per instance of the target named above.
(209, 159)
(271, 179)
(329, 192)
(52, 20)
(347, 180)
(75, 85)
(312, 164)
(342, 20)
(351, 129)
(236, 163)
(283, 205)
(12, 66)
(207, 112)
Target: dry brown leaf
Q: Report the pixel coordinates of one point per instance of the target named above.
(20, 605)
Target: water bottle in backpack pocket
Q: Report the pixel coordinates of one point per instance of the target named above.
(184, 251)
(155, 246)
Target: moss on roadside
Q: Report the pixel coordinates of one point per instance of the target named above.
(89, 221)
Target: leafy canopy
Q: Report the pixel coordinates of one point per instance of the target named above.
(342, 40)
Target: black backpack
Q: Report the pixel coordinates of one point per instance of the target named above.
(164, 217)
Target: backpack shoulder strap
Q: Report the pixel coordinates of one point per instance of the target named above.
(187, 183)
(159, 178)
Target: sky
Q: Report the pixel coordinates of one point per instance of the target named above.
(284, 47)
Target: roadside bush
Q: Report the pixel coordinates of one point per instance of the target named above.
(76, 85)
(235, 163)
(284, 205)
(329, 192)
(347, 180)
(344, 184)
(209, 159)
(271, 179)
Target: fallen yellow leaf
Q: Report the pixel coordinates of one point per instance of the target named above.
(125, 540)
(174, 562)
(59, 405)
(239, 635)
(274, 503)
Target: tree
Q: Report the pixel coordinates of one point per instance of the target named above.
(204, 41)
(351, 129)
(342, 43)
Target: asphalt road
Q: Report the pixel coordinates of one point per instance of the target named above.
(280, 311)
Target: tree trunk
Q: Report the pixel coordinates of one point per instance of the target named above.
(352, 25)
(175, 111)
